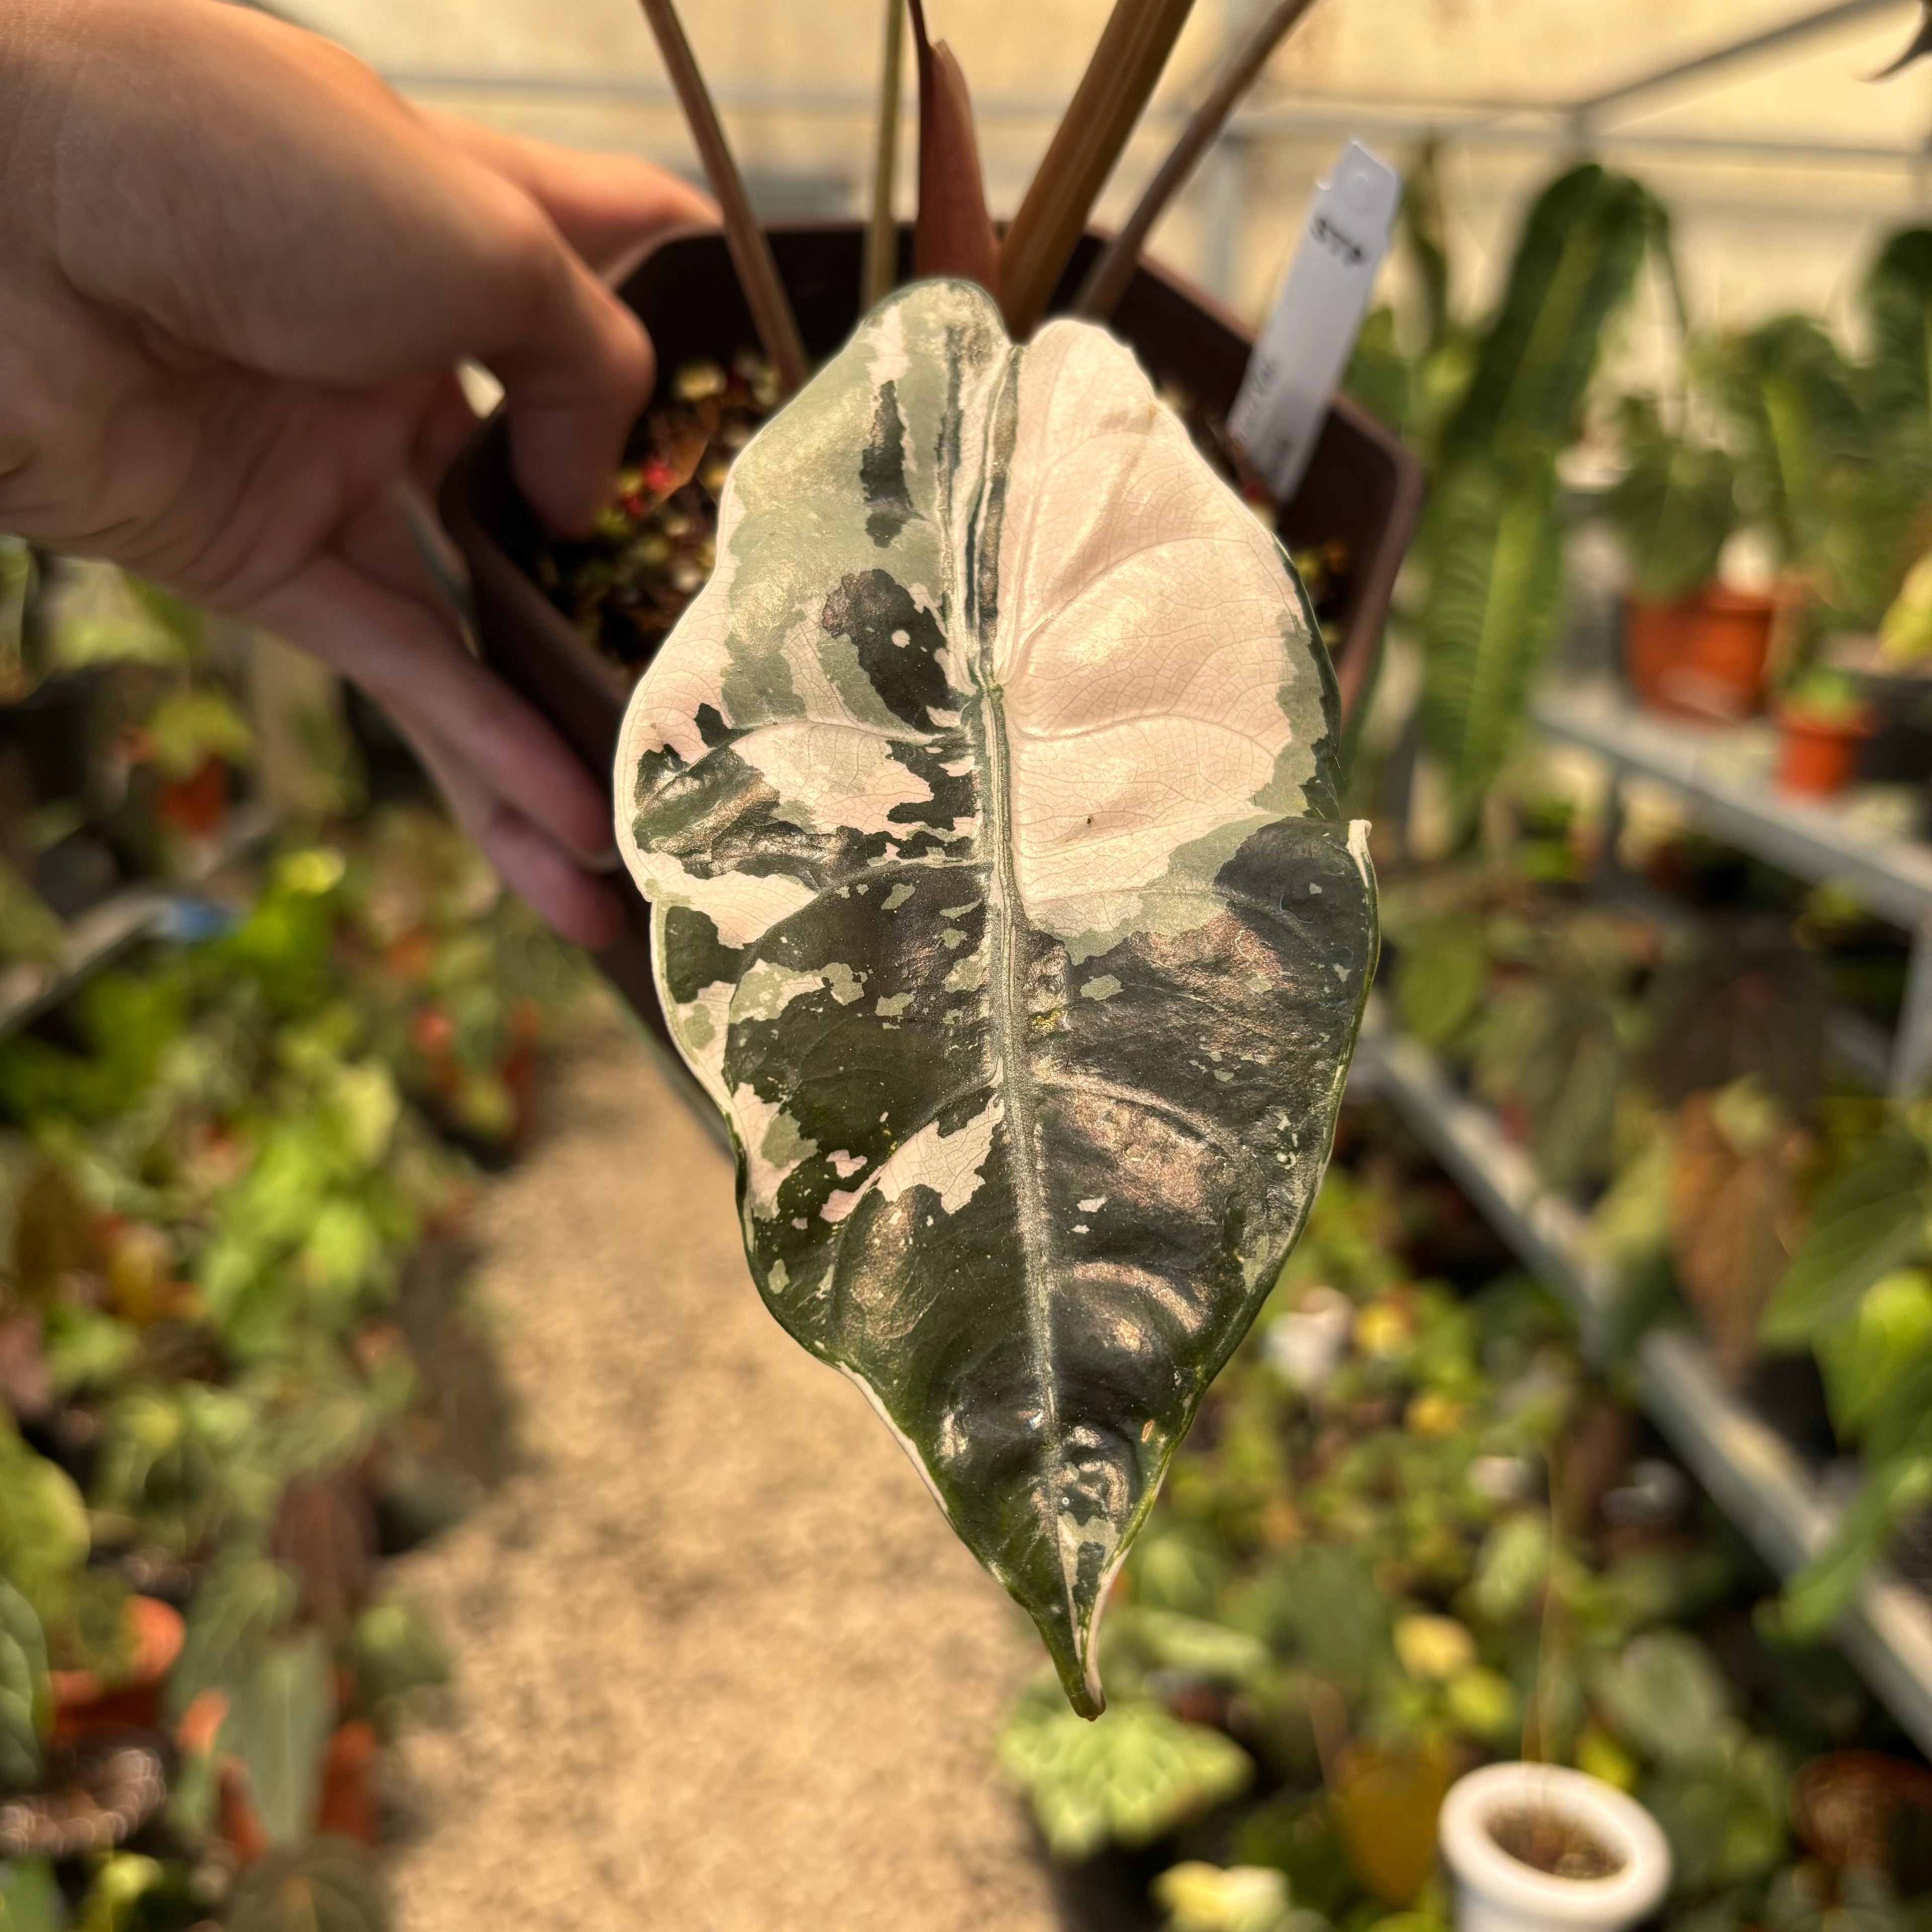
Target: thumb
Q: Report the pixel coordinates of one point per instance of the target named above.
(576, 369)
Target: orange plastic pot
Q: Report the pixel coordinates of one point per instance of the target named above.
(197, 804)
(236, 1818)
(1703, 657)
(84, 1701)
(348, 1806)
(1817, 756)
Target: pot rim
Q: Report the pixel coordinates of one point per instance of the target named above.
(1715, 596)
(479, 544)
(158, 1631)
(1822, 725)
(1479, 1862)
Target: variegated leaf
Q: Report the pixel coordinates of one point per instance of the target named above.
(985, 799)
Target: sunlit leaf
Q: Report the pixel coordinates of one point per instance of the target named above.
(1131, 1777)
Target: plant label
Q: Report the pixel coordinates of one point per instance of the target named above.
(1298, 362)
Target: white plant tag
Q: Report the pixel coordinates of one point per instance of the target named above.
(1298, 361)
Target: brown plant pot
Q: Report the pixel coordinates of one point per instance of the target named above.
(84, 1701)
(236, 1818)
(197, 805)
(1701, 658)
(1865, 1810)
(348, 1773)
(1363, 490)
(1817, 756)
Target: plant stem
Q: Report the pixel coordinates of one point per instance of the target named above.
(1107, 281)
(882, 237)
(751, 253)
(1118, 82)
(954, 234)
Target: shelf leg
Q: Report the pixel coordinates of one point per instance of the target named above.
(1912, 1053)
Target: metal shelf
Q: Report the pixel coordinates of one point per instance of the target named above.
(1751, 1473)
(1758, 1481)
(104, 932)
(1723, 777)
(1545, 1230)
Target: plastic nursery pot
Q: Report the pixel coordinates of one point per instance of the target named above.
(85, 1702)
(1898, 700)
(1817, 755)
(1864, 1810)
(349, 1774)
(1703, 657)
(1360, 497)
(236, 1818)
(1560, 1817)
(196, 805)
(50, 736)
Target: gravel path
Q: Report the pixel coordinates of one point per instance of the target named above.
(720, 1664)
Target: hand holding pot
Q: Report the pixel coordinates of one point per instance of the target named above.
(237, 275)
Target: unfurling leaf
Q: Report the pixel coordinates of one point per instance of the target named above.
(954, 234)
(985, 799)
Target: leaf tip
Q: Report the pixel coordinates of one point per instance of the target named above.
(1076, 1660)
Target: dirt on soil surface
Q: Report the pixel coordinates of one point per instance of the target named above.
(721, 1664)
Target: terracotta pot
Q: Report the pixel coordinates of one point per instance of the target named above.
(1363, 491)
(236, 1818)
(349, 1772)
(1703, 657)
(196, 805)
(84, 1701)
(1816, 756)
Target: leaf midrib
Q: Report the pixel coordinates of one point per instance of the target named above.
(1006, 925)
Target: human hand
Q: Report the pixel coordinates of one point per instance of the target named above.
(237, 275)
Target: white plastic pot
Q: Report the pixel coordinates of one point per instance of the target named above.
(1497, 1893)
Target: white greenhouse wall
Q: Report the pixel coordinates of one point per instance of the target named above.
(1755, 235)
